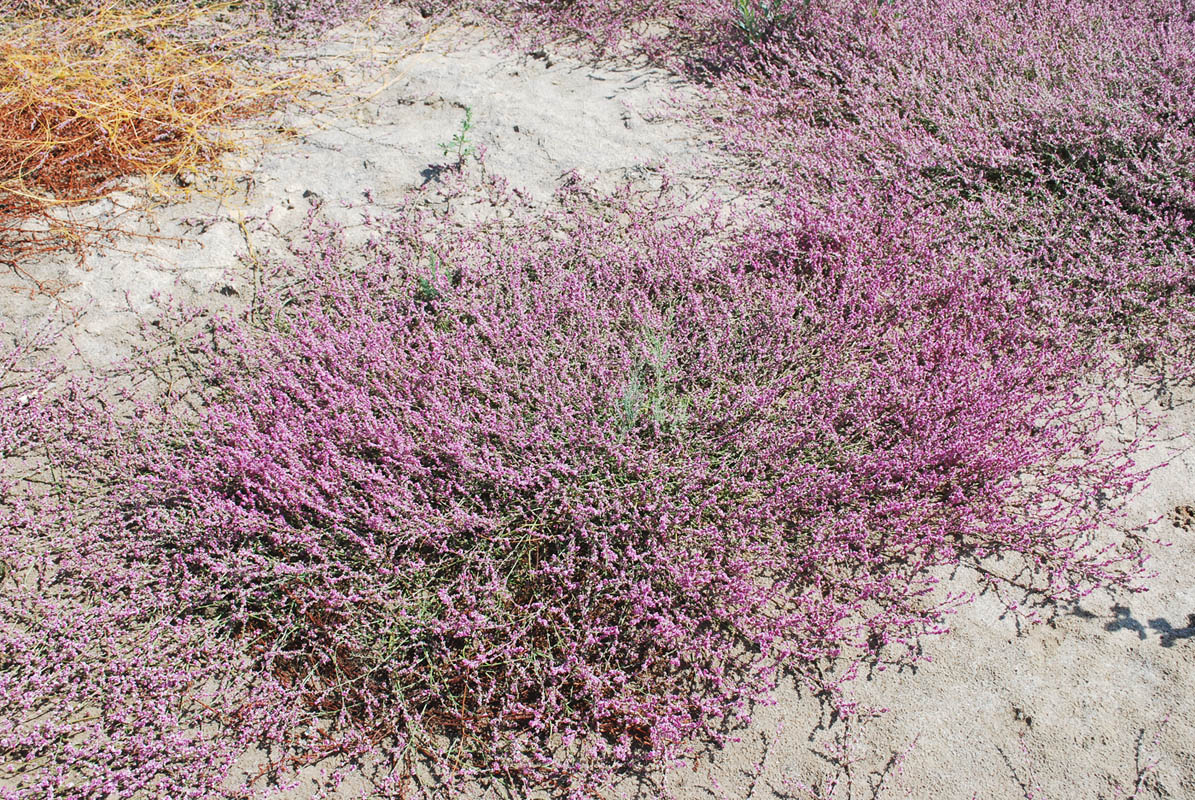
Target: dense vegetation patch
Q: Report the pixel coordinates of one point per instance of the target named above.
(1058, 136)
(543, 508)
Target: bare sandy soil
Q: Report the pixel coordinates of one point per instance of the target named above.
(1096, 702)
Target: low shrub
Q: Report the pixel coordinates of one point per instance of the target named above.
(1055, 133)
(534, 510)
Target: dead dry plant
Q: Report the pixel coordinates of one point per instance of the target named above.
(117, 91)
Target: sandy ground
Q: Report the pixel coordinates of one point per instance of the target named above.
(1098, 702)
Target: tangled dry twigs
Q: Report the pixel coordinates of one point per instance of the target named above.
(91, 96)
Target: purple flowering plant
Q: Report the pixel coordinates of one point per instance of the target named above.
(541, 509)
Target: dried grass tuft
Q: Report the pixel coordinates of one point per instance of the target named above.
(92, 96)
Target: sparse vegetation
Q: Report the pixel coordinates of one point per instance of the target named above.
(460, 146)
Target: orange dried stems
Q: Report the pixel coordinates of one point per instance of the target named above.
(120, 91)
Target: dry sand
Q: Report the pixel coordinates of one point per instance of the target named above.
(1095, 703)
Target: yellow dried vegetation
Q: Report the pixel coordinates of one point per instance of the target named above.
(95, 94)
